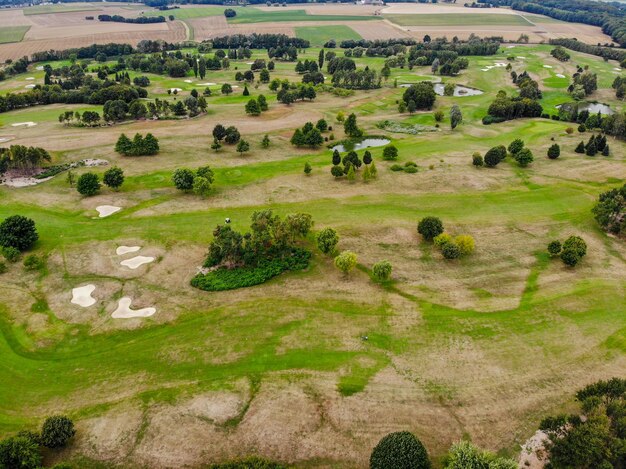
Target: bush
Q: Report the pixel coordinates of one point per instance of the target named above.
(516, 146)
(382, 270)
(399, 450)
(488, 120)
(113, 177)
(183, 179)
(390, 153)
(230, 279)
(580, 148)
(346, 261)
(19, 452)
(554, 151)
(440, 240)
(582, 128)
(88, 184)
(33, 262)
(56, 431)
(337, 171)
(3, 268)
(465, 243)
(570, 257)
(17, 232)
(396, 167)
(10, 253)
(495, 155)
(576, 244)
(569, 131)
(429, 227)
(477, 159)
(327, 240)
(410, 169)
(451, 251)
(524, 157)
(554, 248)
(465, 455)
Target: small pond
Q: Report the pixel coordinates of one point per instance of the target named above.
(367, 143)
(593, 108)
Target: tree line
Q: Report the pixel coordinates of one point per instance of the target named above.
(138, 20)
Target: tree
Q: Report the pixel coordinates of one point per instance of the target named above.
(18, 232)
(327, 240)
(232, 135)
(399, 450)
(320, 59)
(605, 150)
(465, 243)
(390, 153)
(351, 128)
(123, 145)
(524, 157)
(246, 92)
(56, 431)
(265, 143)
(216, 145)
(219, 132)
(367, 157)
(455, 116)
(243, 147)
(113, 177)
(336, 157)
(554, 248)
(494, 156)
(580, 148)
(346, 261)
(477, 159)
(307, 168)
(20, 452)
(264, 76)
(382, 270)
(350, 174)
(591, 149)
(422, 94)
(451, 250)
(262, 101)
(373, 170)
(337, 171)
(252, 108)
(201, 186)
(88, 184)
(183, 179)
(554, 151)
(226, 89)
(516, 146)
(438, 115)
(322, 125)
(429, 227)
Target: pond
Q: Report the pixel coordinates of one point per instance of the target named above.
(593, 108)
(367, 143)
(459, 90)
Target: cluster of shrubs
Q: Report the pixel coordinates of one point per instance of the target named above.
(198, 181)
(610, 211)
(408, 167)
(516, 149)
(309, 135)
(138, 146)
(238, 260)
(17, 234)
(560, 53)
(431, 229)
(229, 135)
(596, 144)
(255, 107)
(24, 450)
(571, 251)
(88, 184)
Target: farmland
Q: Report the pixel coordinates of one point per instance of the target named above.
(13, 33)
(313, 367)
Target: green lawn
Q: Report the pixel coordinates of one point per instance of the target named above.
(57, 8)
(13, 33)
(188, 13)
(318, 35)
(457, 19)
(253, 15)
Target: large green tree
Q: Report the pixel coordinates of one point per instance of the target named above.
(18, 232)
(399, 450)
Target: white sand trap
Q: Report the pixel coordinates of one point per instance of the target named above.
(30, 78)
(500, 64)
(81, 296)
(207, 84)
(249, 63)
(23, 181)
(137, 261)
(123, 310)
(547, 66)
(175, 89)
(27, 124)
(617, 69)
(560, 75)
(4, 139)
(39, 67)
(521, 57)
(30, 86)
(188, 81)
(106, 210)
(234, 86)
(121, 250)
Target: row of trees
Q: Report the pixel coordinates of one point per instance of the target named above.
(138, 146)
(88, 184)
(22, 158)
(596, 144)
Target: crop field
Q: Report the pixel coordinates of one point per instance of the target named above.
(318, 35)
(58, 8)
(454, 19)
(254, 15)
(13, 33)
(188, 13)
(313, 367)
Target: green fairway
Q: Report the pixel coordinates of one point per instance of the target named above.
(57, 8)
(254, 15)
(319, 35)
(188, 13)
(13, 33)
(456, 19)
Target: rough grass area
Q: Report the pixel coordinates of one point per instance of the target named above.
(13, 34)
(455, 19)
(318, 35)
(253, 15)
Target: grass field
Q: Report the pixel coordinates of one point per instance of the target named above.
(455, 19)
(13, 34)
(188, 13)
(318, 35)
(58, 8)
(313, 367)
(253, 15)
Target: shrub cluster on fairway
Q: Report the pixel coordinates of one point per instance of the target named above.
(610, 211)
(571, 251)
(138, 146)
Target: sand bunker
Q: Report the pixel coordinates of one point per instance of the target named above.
(123, 310)
(30, 78)
(94, 162)
(175, 89)
(521, 57)
(207, 84)
(560, 75)
(617, 69)
(137, 261)
(22, 181)
(30, 86)
(188, 81)
(106, 210)
(5, 139)
(121, 250)
(81, 296)
(547, 66)
(39, 67)
(27, 124)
